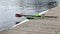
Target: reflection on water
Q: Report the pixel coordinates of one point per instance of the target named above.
(31, 7)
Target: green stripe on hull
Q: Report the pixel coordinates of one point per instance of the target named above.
(37, 14)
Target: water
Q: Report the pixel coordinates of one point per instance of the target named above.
(8, 9)
(31, 7)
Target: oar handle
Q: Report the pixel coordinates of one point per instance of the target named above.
(20, 15)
